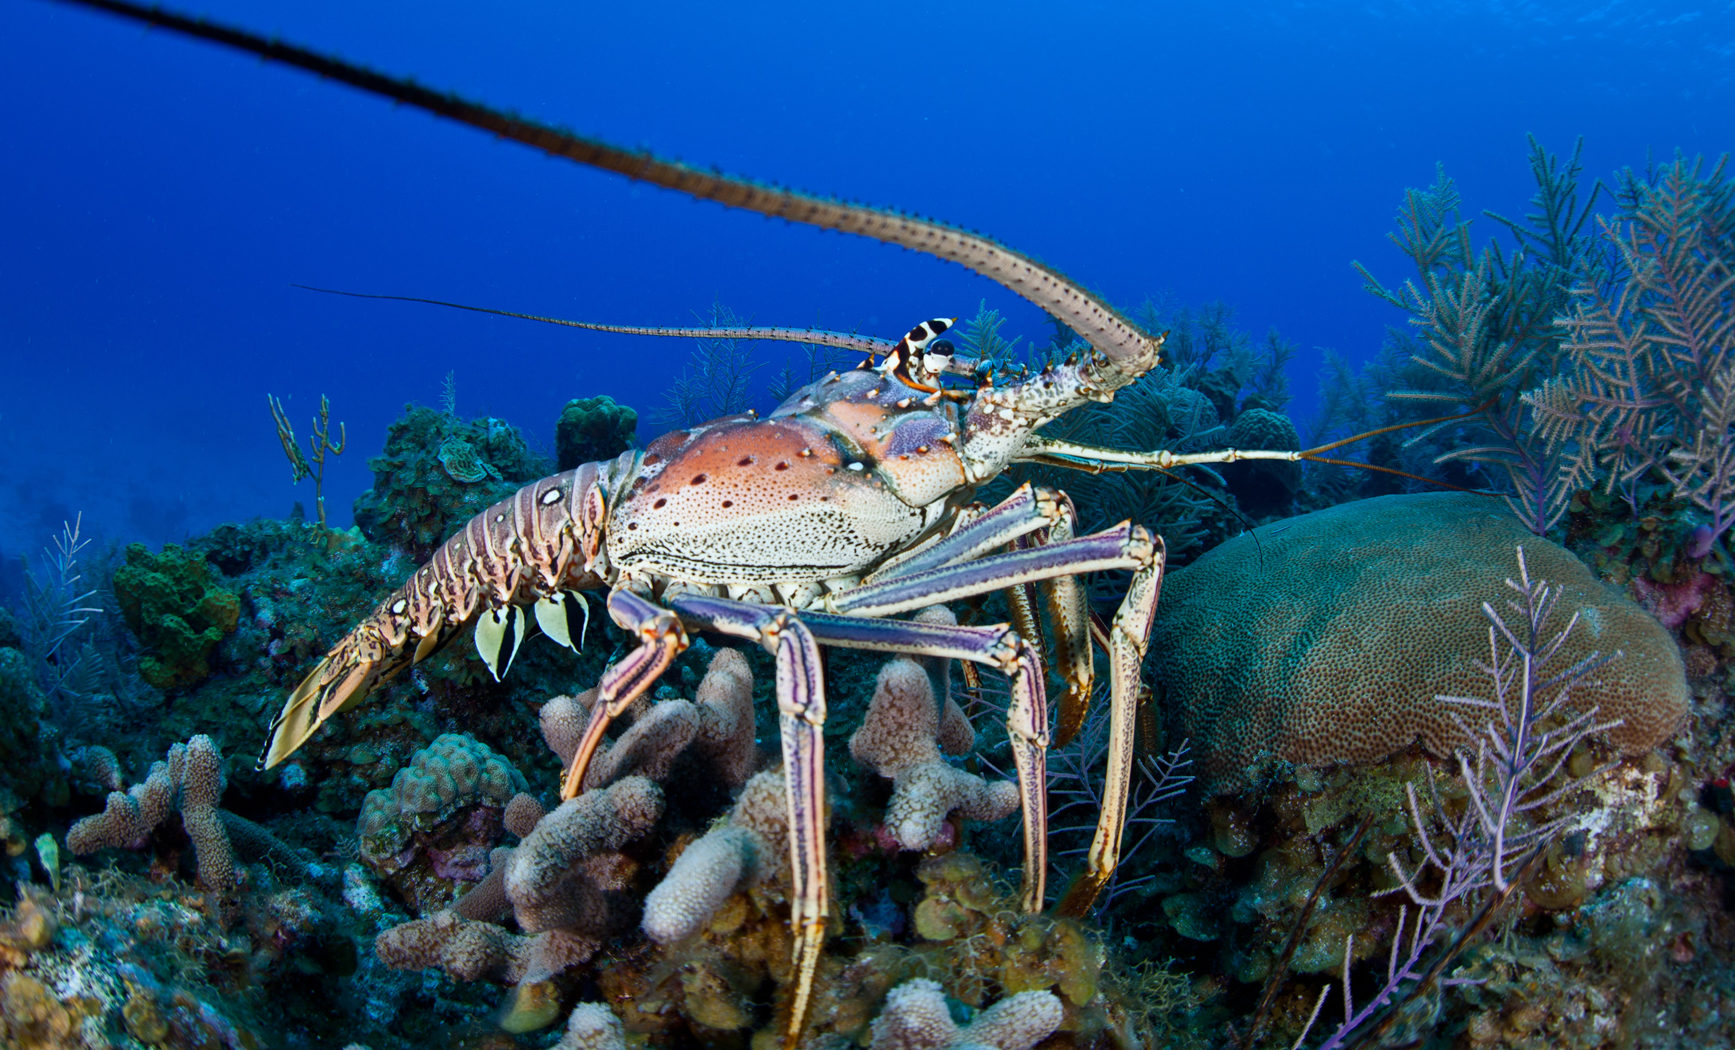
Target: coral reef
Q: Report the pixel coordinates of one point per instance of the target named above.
(432, 830)
(119, 962)
(592, 429)
(417, 500)
(714, 919)
(1349, 622)
(179, 613)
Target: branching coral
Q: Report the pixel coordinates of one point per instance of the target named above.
(716, 933)
(318, 443)
(191, 780)
(556, 883)
(899, 738)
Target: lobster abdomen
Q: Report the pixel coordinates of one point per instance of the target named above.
(535, 546)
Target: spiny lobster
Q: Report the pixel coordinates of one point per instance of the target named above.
(850, 503)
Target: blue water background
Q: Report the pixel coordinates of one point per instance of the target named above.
(158, 197)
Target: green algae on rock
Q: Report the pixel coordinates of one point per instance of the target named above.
(174, 606)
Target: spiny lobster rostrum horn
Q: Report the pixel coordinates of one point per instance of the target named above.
(849, 505)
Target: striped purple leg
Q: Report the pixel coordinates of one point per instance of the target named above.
(1030, 517)
(801, 720)
(1129, 636)
(661, 639)
(1126, 546)
(1026, 717)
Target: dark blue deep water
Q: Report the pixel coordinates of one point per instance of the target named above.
(158, 197)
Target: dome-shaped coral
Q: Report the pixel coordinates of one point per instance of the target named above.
(1326, 638)
(433, 828)
(1263, 486)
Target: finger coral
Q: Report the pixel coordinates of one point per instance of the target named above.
(476, 951)
(749, 845)
(191, 781)
(717, 722)
(899, 738)
(916, 1018)
(591, 1026)
(551, 868)
(1325, 638)
(555, 883)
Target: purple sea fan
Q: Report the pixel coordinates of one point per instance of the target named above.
(1477, 858)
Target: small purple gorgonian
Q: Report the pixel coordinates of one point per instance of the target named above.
(1473, 859)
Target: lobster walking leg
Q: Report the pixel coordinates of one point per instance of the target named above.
(801, 720)
(1069, 615)
(661, 639)
(1026, 716)
(1027, 510)
(1126, 546)
(1129, 634)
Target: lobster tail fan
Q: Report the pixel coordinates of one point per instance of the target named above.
(297, 721)
(341, 680)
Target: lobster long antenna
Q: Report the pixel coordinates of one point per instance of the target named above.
(818, 336)
(1132, 350)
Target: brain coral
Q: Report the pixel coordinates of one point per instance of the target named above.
(1328, 639)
